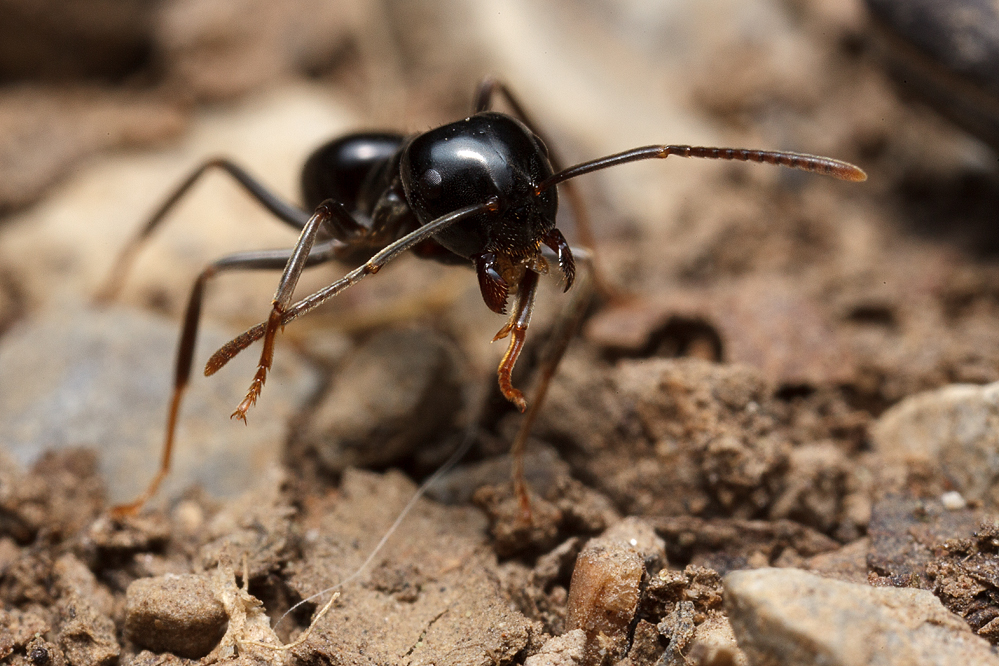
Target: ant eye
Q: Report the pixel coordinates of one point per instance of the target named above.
(432, 183)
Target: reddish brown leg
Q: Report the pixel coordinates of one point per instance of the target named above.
(516, 328)
(133, 507)
(326, 212)
(334, 216)
(263, 366)
(265, 260)
(565, 330)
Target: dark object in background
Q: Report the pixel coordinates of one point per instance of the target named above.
(946, 52)
(54, 40)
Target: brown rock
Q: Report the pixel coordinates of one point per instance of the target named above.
(175, 613)
(394, 393)
(905, 533)
(669, 437)
(726, 544)
(603, 596)
(848, 563)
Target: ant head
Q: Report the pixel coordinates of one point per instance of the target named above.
(463, 163)
(466, 162)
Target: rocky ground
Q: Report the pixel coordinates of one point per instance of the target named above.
(776, 445)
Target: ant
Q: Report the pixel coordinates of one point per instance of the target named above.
(479, 191)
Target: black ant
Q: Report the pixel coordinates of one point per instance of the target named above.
(479, 191)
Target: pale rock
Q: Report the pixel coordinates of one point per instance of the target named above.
(791, 617)
(954, 429)
(103, 378)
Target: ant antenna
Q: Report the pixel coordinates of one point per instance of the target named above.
(812, 163)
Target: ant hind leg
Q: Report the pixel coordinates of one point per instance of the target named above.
(282, 210)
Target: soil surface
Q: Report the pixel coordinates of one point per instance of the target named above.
(787, 371)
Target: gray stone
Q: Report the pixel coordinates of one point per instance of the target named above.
(788, 616)
(954, 429)
(394, 392)
(102, 379)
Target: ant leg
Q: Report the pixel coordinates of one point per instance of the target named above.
(566, 327)
(283, 211)
(516, 328)
(484, 94)
(282, 297)
(282, 314)
(262, 260)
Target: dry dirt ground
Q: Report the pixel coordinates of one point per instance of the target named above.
(740, 405)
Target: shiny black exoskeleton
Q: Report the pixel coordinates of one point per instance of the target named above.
(393, 184)
(480, 190)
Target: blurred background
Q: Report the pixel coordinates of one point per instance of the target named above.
(878, 290)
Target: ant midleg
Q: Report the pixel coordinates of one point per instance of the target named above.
(253, 260)
(228, 351)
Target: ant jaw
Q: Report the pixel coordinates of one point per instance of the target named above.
(566, 262)
(495, 290)
(501, 273)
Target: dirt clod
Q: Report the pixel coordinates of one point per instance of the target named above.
(361, 422)
(177, 614)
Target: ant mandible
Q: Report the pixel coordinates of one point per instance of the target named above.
(481, 190)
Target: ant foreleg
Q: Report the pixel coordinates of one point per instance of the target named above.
(516, 328)
(332, 216)
(283, 211)
(373, 265)
(325, 213)
(260, 260)
(566, 327)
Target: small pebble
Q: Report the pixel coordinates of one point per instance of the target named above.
(189, 516)
(174, 613)
(953, 501)
(603, 596)
(953, 430)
